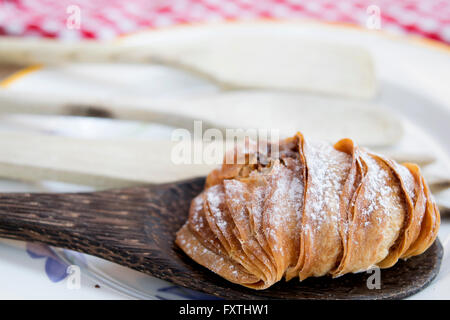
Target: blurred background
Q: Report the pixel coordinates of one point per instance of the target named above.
(106, 20)
(92, 92)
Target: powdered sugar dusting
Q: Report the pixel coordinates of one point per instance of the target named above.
(215, 198)
(327, 170)
(377, 190)
(287, 189)
(197, 221)
(408, 180)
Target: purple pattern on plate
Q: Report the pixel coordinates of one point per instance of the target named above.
(55, 268)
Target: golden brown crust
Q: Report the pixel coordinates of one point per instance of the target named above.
(309, 210)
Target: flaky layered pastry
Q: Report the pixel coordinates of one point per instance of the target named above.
(313, 210)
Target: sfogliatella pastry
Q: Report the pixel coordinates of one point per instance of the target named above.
(309, 210)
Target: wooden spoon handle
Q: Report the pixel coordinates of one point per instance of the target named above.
(134, 227)
(98, 163)
(46, 51)
(280, 111)
(91, 222)
(105, 224)
(224, 57)
(106, 163)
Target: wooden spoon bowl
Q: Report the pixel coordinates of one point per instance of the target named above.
(136, 227)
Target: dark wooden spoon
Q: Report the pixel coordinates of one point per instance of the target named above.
(136, 227)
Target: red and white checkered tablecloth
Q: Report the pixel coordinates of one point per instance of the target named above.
(106, 19)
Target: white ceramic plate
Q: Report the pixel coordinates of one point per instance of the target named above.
(413, 77)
